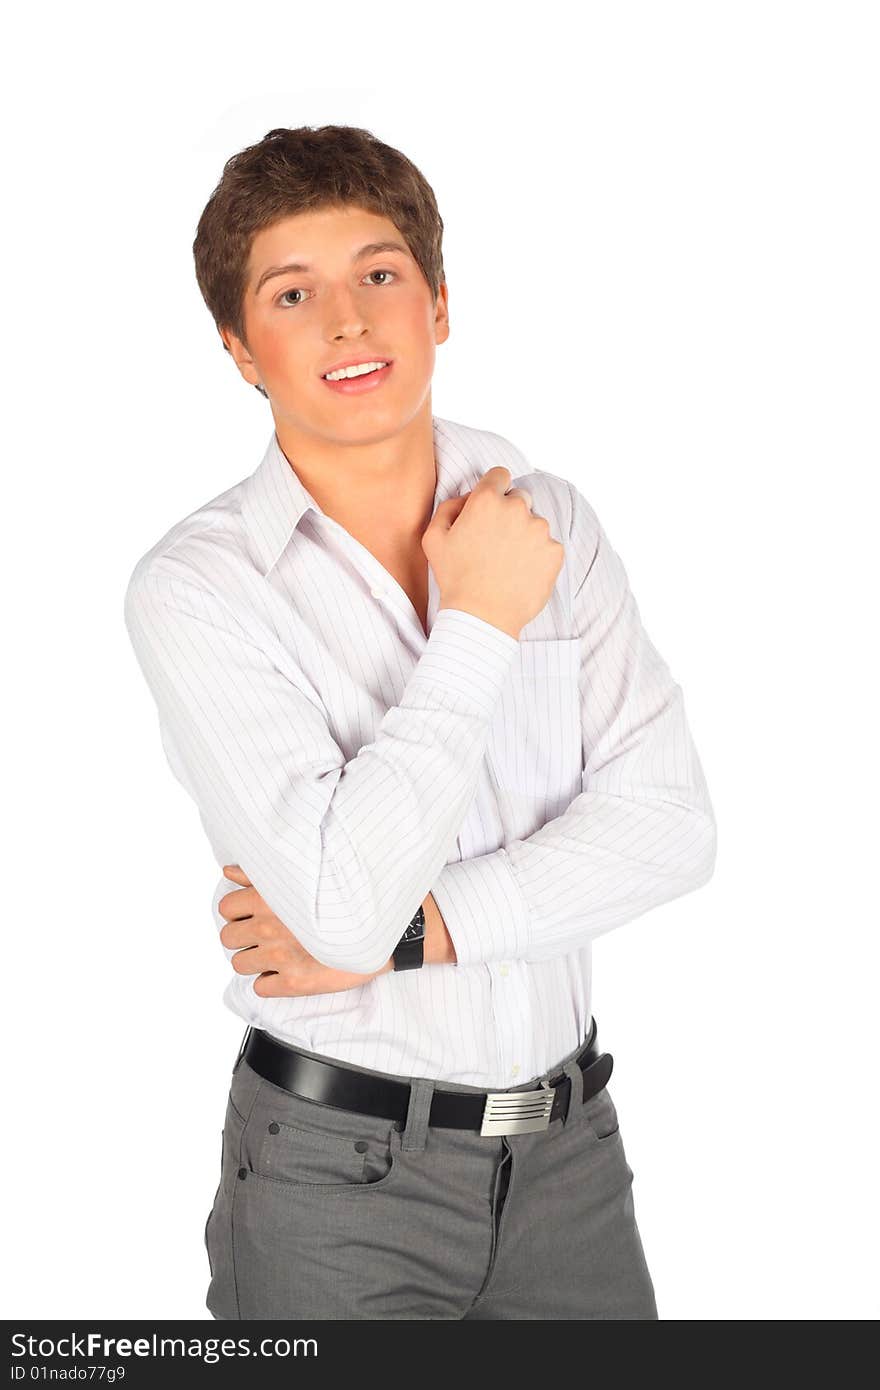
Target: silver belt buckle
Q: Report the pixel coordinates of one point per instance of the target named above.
(517, 1112)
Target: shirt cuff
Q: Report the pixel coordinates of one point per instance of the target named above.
(465, 657)
(484, 909)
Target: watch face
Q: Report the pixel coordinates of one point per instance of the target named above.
(414, 932)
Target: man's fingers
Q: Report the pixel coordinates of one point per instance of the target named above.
(268, 985)
(520, 492)
(241, 902)
(497, 478)
(236, 874)
(251, 960)
(246, 933)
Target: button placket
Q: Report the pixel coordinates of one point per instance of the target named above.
(511, 1011)
(382, 585)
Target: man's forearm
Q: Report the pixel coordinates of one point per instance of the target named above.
(439, 949)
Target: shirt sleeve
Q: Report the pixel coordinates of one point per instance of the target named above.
(343, 852)
(642, 830)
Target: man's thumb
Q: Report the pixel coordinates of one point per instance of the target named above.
(446, 513)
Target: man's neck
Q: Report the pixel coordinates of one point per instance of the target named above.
(382, 490)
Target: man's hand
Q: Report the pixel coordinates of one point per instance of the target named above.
(492, 556)
(269, 949)
(268, 946)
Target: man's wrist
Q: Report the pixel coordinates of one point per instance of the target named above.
(439, 949)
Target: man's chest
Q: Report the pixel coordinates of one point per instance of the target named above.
(408, 566)
(357, 618)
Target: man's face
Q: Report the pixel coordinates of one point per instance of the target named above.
(344, 304)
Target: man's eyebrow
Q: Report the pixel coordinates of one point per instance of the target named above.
(370, 249)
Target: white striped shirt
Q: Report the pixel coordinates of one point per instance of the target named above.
(545, 789)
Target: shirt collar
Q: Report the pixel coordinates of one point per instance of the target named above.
(274, 499)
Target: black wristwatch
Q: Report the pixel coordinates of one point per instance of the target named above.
(409, 953)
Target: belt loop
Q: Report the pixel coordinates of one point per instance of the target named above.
(421, 1093)
(573, 1071)
(244, 1041)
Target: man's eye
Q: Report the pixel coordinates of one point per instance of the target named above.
(283, 299)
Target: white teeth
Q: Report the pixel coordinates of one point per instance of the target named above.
(360, 370)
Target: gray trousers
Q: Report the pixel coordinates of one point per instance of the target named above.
(325, 1213)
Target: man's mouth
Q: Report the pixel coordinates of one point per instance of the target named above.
(358, 378)
(359, 369)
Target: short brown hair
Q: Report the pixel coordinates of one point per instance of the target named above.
(302, 170)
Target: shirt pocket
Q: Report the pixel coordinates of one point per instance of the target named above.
(534, 748)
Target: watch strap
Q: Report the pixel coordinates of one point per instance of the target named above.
(409, 953)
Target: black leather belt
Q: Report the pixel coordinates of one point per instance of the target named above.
(489, 1112)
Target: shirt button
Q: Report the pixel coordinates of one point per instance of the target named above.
(505, 970)
(515, 1070)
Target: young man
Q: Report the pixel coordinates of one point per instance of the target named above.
(435, 754)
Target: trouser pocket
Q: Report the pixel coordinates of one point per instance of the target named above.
(291, 1140)
(600, 1114)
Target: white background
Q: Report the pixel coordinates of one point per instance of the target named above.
(662, 256)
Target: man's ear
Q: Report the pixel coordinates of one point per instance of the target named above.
(441, 314)
(241, 356)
